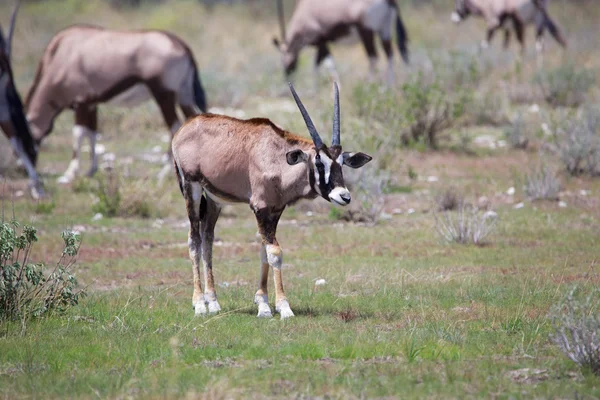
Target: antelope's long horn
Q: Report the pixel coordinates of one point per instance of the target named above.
(336, 116)
(309, 124)
(11, 29)
(281, 16)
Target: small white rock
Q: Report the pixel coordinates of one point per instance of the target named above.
(320, 282)
(397, 211)
(309, 213)
(385, 216)
(224, 284)
(432, 179)
(490, 214)
(510, 191)
(534, 108)
(109, 157)
(411, 211)
(157, 149)
(562, 204)
(100, 149)
(97, 217)
(519, 205)
(158, 223)
(583, 192)
(19, 193)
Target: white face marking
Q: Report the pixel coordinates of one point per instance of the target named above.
(336, 196)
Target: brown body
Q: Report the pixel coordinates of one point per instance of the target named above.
(520, 13)
(219, 160)
(84, 66)
(317, 22)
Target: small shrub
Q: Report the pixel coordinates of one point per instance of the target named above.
(25, 290)
(368, 189)
(429, 109)
(108, 193)
(45, 207)
(542, 184)
(577, 139)
(449, 200)
(515, 134)
(576, 321)
(466, 225)
(566, 85)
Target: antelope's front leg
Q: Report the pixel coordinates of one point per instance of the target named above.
(267, 226)
(261, 298)
(79, 131)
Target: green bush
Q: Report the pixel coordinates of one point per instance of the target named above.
(577, 139)
(566, 85)
(108, 193)
(27, 289)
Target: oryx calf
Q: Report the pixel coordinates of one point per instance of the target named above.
(12, 117)
(219, 159)
(318, 22)
(84, 66)
(520, 12)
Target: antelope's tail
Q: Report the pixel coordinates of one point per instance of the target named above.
(548, 23)
(199, 95)
(401, 34)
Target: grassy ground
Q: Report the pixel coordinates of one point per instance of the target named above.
(402, 314)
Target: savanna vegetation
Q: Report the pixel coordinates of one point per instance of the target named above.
(467, 265)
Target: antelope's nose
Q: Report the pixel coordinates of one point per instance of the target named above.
(346, 197)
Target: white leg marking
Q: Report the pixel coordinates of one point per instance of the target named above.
(79, 132)
(284, 310)
(330, 65)
(390, 77)
(200, 308)
(93, 156)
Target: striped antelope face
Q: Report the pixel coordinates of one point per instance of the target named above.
(326, 176)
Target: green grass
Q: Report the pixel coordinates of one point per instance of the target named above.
(402, 314)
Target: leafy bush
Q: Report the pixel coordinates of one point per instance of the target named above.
(515, 134)
(577, 139)
(466, 225)
(542, 184)
(25, 290)
(566, 85)
(418, 113)
(576, 321)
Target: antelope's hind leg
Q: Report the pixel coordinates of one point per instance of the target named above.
(196, 207)
(86, 121)
(209, 221)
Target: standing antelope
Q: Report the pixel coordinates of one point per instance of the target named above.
(520, 12)
(317, 22)
(84, 66)
(12, 118)
(254, 162)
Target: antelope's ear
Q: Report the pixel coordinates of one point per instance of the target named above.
(356, 160)
(296, 156)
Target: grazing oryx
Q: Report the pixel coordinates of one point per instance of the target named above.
(12, 117)
(86, 65)
(254, 162)
(317, 22)
(520, 12)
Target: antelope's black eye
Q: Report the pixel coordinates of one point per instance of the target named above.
(318, 157)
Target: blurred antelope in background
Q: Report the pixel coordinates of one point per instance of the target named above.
(219, 160)
(84, 66)
(318, 22)
(520, 12)
(12, 117)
